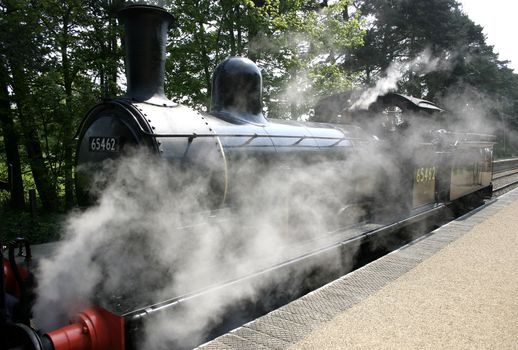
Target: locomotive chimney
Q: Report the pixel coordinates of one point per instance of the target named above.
(145, 41)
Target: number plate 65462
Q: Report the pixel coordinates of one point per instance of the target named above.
(103, 144)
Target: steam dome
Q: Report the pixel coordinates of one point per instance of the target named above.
(237, 87)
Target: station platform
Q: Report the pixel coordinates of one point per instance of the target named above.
(455, 288)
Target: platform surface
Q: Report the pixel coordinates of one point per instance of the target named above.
(456, 288)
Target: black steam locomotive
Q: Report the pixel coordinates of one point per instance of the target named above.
(440, 167)
(212, 144)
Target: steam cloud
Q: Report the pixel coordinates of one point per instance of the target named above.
(424, 63)
(153, 236)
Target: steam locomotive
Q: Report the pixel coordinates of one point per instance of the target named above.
(441, 167)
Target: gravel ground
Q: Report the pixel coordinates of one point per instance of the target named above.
(463, 297)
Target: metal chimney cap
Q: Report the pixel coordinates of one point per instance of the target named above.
(141, 8)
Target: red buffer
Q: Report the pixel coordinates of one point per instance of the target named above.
(93, 329)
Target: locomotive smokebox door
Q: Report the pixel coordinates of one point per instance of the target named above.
(108, 132)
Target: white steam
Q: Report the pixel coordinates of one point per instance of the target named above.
(422, 64)
(470, 110)
(152, 237)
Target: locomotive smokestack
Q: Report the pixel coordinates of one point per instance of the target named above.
(145, 29)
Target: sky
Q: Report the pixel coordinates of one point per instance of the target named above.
(498, 18)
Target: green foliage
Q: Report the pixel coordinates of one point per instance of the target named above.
(60, 58)
(301, 54)
(399, 31)
(44, 228)
(4, 195)
(297, 44)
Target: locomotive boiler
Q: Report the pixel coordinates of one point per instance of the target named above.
(209, 144)
(220, 146)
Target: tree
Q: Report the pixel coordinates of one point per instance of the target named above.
(11, 143)
(20, 27)
(59, 58)
(291, 41)
(301, 47)
(400, 31)
(83, 38)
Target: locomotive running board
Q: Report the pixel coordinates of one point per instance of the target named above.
(341, 254)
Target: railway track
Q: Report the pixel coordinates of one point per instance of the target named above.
(503, 165)
(505, 175)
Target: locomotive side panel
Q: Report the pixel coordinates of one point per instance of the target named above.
(426, 168)
(471, 168)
